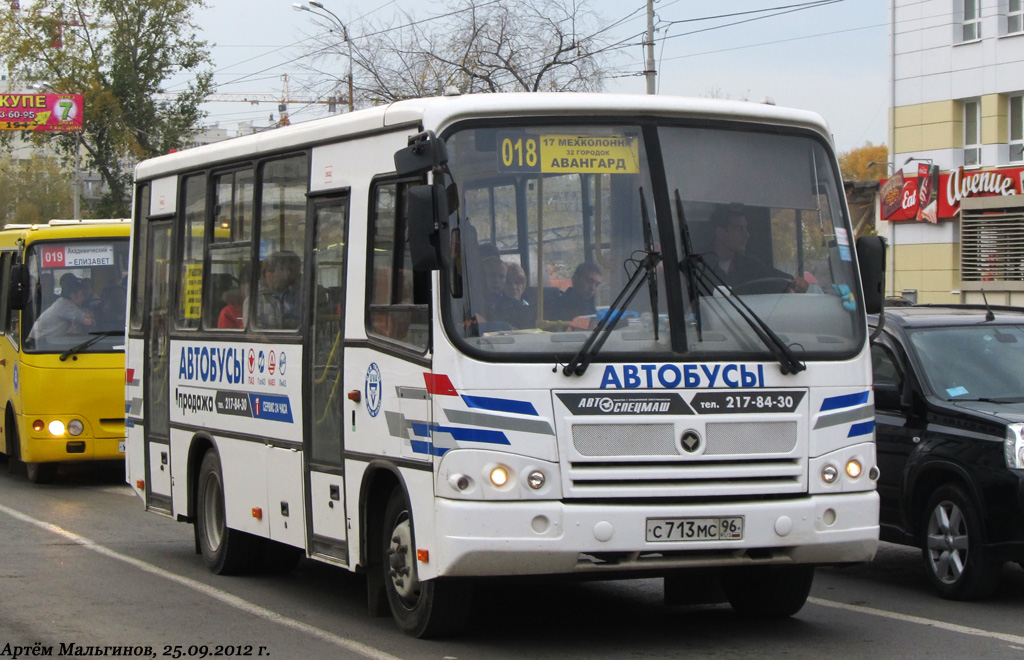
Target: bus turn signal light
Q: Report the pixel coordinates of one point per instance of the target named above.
(423, 556)
(140, 484)
(257, 513)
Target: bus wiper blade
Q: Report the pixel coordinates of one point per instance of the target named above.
(96, 336)
(689, 262)
(788, 362)
(578, 365)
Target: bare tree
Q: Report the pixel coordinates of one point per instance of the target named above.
(476, 46)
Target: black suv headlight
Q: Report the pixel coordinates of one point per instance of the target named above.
(1013, 448)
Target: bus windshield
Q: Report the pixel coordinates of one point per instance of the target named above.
(77, 296)
(694, 241)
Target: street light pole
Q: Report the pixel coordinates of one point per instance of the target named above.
(330, 15)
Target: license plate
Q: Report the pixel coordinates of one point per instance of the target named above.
(695, 529)
(120, 447)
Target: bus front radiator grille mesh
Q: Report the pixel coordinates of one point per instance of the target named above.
(735, 459)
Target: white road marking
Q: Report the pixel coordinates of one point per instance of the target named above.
(906, 618)
(223, 596)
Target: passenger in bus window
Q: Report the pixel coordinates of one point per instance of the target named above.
(65, 316)
(522, 315)
(231, 316)
(278, 296)
(732, 263)
(580, 298)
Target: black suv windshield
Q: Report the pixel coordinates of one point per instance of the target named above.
(970, 363)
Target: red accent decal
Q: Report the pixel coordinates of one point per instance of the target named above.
(129, 375)
(439, 384)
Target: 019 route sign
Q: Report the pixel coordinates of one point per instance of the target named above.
(41, 112)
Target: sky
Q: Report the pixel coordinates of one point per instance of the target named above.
(829, 56)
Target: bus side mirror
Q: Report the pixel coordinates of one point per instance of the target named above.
(18, 293)
(871, 259)
(426, 207)
(425, 152)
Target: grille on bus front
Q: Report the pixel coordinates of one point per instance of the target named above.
(644, 460)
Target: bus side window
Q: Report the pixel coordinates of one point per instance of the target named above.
(282, 238)
(190, 298)
(397, 298)
(5, 280)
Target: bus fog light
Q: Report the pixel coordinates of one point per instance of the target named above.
(56, 427)
(829, 474)
(873, 473)
(536, 480)
(499, 476)
(853, 468)
(459, 481)
(38, 425)
(75, 427)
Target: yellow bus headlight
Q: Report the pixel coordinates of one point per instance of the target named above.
(56, 427)
(75, 427)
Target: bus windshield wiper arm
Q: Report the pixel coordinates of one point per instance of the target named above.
(689, 262)
(96, 336)
(578, 365)
(785, 356)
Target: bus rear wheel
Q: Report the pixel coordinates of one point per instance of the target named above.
(767, 592)
(225, 551)
(427, 608)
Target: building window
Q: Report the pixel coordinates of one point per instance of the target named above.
(972, 20)
(972, 133)
(1017, 129)
(1015, 17)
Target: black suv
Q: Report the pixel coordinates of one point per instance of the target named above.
(949, 413)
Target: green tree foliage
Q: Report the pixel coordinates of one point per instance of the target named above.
(35, 191)
(118, 54)
(855, 163)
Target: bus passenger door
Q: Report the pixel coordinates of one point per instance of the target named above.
(156, 410)
(325, 424)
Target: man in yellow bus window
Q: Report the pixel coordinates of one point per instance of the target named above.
(278, 299)
(65, 316)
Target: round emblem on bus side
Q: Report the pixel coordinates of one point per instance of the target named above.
(373, 389)
(690, 441)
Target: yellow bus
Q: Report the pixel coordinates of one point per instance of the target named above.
(62, 314)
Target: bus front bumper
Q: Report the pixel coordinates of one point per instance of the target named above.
(546, 538)
(71, 449)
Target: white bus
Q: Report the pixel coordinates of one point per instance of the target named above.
(510, 335)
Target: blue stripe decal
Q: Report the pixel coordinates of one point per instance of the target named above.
(500, 405)
(127, 406)
(862, 428)
(461, 434)
(421, 447)
(844, 401)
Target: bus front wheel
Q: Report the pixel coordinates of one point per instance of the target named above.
(14, 463)
(225, 551)
(41, 473)
(767, 592)
(427, 608)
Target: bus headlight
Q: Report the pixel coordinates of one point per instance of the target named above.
(853, 468)
(56, 427)
(499, 476)
(829, 474)
(536, 480)
(75, 427)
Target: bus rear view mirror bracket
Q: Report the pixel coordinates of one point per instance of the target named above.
(18, 294)
(427, 205)
(871, 260)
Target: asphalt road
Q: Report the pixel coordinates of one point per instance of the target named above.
(82, 565)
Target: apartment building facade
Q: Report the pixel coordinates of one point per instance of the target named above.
(953, 207)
